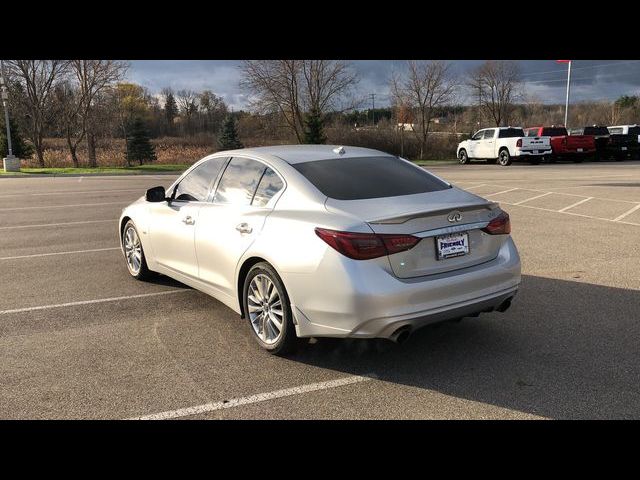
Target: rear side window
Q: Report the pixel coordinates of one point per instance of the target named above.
(554, 132)
(269, 185)
(239, 181)
(596, 131)
(368, 177)
(510, 133)
(194, 187)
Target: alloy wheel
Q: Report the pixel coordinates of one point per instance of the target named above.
(265, 309)
(133, 250)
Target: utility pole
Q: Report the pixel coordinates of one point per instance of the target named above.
(373, 110)
(10, 163)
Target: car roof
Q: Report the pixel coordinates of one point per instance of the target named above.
(293, 154)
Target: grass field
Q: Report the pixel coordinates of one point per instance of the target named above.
(100, 170)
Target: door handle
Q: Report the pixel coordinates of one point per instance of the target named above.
(188, 220)
(244, 228)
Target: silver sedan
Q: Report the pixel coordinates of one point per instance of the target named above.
(324, 241)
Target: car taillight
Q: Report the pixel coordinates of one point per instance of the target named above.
(501, 225)
(519, 143)
(365, 246)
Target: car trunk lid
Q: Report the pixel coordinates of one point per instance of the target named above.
(428, 216)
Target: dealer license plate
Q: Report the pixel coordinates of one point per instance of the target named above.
(455, 245)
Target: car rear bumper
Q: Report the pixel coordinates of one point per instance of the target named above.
(531, 153)
(364, 300)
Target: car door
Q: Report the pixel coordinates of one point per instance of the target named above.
(486, 146)
(230, 223)
(172, 225)
(474, 142)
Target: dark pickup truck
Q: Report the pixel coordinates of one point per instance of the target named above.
(563, 145)
(608, 146)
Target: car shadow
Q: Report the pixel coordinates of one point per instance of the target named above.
(565, 349)
(159, 279)
(630, 184)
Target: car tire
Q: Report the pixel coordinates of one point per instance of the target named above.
(258, 285)
(504, 158)
(134, 253)
(463, 158)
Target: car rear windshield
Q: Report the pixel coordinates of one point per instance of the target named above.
(511, 132)
(368, 177)
(596, 131)
(554, 132)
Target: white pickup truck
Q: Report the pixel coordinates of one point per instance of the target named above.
(504, 145)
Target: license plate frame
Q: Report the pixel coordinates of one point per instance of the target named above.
(452, 251)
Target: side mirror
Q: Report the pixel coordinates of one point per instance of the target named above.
(156, 194)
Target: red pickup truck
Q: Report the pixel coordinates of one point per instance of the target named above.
(563, 145)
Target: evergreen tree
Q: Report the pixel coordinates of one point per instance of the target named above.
(314, 128)
(139, 147)
(170, 109)
(19, 147)
(229, 135)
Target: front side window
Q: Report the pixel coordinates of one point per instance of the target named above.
(194, 187)
(368, 177)
(269, 185)
(488, 134)
(478, 135)
(239, 181)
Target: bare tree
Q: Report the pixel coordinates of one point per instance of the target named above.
(293, 87)
(427, 87)
(92, 77)
(496, 85)
(36, 80)
(187, 101)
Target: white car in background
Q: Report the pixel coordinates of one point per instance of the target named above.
(320, 241)
(504, 145)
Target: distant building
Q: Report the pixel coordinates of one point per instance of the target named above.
(407, 127)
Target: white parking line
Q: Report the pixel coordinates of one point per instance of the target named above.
(532, 198)
(58, 224)
(574, 214)
(59, 253)
(503, 191)
(62, 206)
(473, 186)
(89, 302)
(629, 212)
(580, 202)
(261, 397)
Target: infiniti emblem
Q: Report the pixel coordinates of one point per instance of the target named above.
(454, 216)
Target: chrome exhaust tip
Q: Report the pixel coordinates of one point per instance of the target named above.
(504, 306)
(401, 335)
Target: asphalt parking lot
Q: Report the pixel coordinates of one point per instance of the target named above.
(79, 338)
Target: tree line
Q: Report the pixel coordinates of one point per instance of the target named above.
(298, 101)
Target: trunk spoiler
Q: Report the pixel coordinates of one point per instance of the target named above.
(426, 213)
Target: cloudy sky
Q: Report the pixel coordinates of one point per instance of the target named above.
(545, 80)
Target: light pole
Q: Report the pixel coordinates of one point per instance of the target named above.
(566, 105)
(10, 163)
